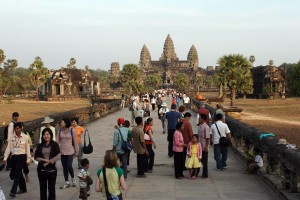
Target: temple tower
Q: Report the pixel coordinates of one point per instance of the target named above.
(115, 69)
(145, 57)
(193, 57)
(168, 54)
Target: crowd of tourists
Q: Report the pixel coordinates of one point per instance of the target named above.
(188, 149)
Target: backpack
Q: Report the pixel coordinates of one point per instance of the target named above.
(5, 131)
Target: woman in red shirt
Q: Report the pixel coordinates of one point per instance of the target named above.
(149, 142)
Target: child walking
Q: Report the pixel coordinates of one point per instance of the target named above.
(84, 179)
(194, 153)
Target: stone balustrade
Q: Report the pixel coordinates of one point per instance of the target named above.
(86, 115)
(278, 159)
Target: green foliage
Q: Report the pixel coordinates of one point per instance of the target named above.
(181, 82)
(131, 79)
(2, 56)
(293, 79)
(38, 73)
(152, 82)
(235, 72)
(208, 82)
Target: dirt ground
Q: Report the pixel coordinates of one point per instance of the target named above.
(31, 109)
(278, 116)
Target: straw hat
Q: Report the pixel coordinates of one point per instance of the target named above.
(47, 120)
(133, 98)
(282, 141)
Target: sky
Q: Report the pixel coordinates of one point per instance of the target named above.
(99, 32)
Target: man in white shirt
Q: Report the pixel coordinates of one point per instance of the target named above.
(220, 129)
(10, 132)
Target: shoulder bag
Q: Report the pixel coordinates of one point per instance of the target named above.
(223, 140)
(126, 145)
(87, 149)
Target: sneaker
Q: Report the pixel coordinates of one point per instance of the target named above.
(73, 182)
(21, 191)
(141, 176)
(66, 185)
(13, 195)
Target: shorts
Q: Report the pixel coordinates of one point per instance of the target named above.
(84, 193)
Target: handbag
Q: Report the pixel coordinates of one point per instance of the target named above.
(223, 140)
(87, 149)
(126, 145)
(108, 195)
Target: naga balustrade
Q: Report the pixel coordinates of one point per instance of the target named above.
(279, 159)
(85, 114)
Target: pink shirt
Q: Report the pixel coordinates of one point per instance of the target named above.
(64, 139)
(178, 141)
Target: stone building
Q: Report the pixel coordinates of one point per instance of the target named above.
(70, 82)
(169, 65)
(269, 81)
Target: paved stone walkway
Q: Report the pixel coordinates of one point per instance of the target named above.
(161, 184)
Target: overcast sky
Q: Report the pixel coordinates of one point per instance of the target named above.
(98, 32)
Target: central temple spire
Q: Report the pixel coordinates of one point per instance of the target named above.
(169, 50)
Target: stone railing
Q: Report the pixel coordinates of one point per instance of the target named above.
(86, 115)
(278, 159)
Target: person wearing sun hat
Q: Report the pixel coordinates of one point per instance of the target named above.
(162, 113)
(46, 122)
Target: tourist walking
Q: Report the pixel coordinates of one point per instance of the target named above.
(178, 145)
(67, 141)
(110, 178)
(162, 113)
(19, 148)
(120, 135)
(204, 133)
(186, 101)
(158, 104)
(194, 153)
(150, 144)
(220, 129)
(203, 110)
(133, 107)
(187, 132)
(153, 102)
(139, 147)
(47, 153)
(47, 124)
(8, 132)
(79, 130)
(173, 117)
(122, 101)
(219, 109)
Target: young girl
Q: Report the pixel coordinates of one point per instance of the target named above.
(149, 140)
(194, 153)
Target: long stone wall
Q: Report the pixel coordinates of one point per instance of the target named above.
(278, 159)
(86, 115)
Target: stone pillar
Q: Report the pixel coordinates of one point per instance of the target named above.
(98, 88)
(62, 91)
(53, 89)
(92, 87)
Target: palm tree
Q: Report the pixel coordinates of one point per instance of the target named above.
(38, 74)
(252, 59)
(234, 68)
